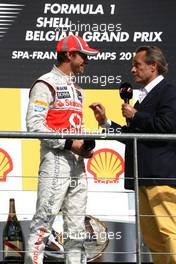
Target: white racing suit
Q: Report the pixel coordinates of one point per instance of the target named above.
(56, 104)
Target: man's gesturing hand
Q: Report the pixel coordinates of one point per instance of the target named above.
(99, 112)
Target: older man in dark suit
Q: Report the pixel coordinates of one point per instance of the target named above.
(155, 112)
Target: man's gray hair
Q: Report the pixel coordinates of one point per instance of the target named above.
(154, 54)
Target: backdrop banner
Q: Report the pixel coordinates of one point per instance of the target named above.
(29, 31)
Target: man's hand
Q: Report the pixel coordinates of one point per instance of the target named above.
(128, 111)
(78, 148)
(99, 112)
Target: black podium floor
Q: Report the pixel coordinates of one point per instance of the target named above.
(118, 250)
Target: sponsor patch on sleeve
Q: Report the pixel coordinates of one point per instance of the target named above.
(40, 106)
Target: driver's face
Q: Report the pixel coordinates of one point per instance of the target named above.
(78, 61)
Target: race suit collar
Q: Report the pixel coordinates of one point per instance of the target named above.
(60, 73)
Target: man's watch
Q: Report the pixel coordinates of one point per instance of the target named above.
(68, 144)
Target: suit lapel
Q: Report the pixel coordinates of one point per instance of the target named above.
(137, 105)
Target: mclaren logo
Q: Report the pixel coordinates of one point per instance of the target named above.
(8, 14)
(6, 164)
(106, 166)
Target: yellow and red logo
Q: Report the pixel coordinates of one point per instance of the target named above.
(106, 166)
(6, 164)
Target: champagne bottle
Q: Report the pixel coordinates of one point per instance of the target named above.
(13, 241)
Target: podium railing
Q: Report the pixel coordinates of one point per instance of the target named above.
(103, 136)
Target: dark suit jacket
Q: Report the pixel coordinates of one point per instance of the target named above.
(156, 159)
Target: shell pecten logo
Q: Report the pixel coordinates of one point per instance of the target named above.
(6, 164)
(106, 166)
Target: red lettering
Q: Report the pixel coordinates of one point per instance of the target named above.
(38, 242)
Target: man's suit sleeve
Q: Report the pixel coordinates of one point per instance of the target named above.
(115, 126)
(163, 119)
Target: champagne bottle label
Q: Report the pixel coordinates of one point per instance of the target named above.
(13, 248)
